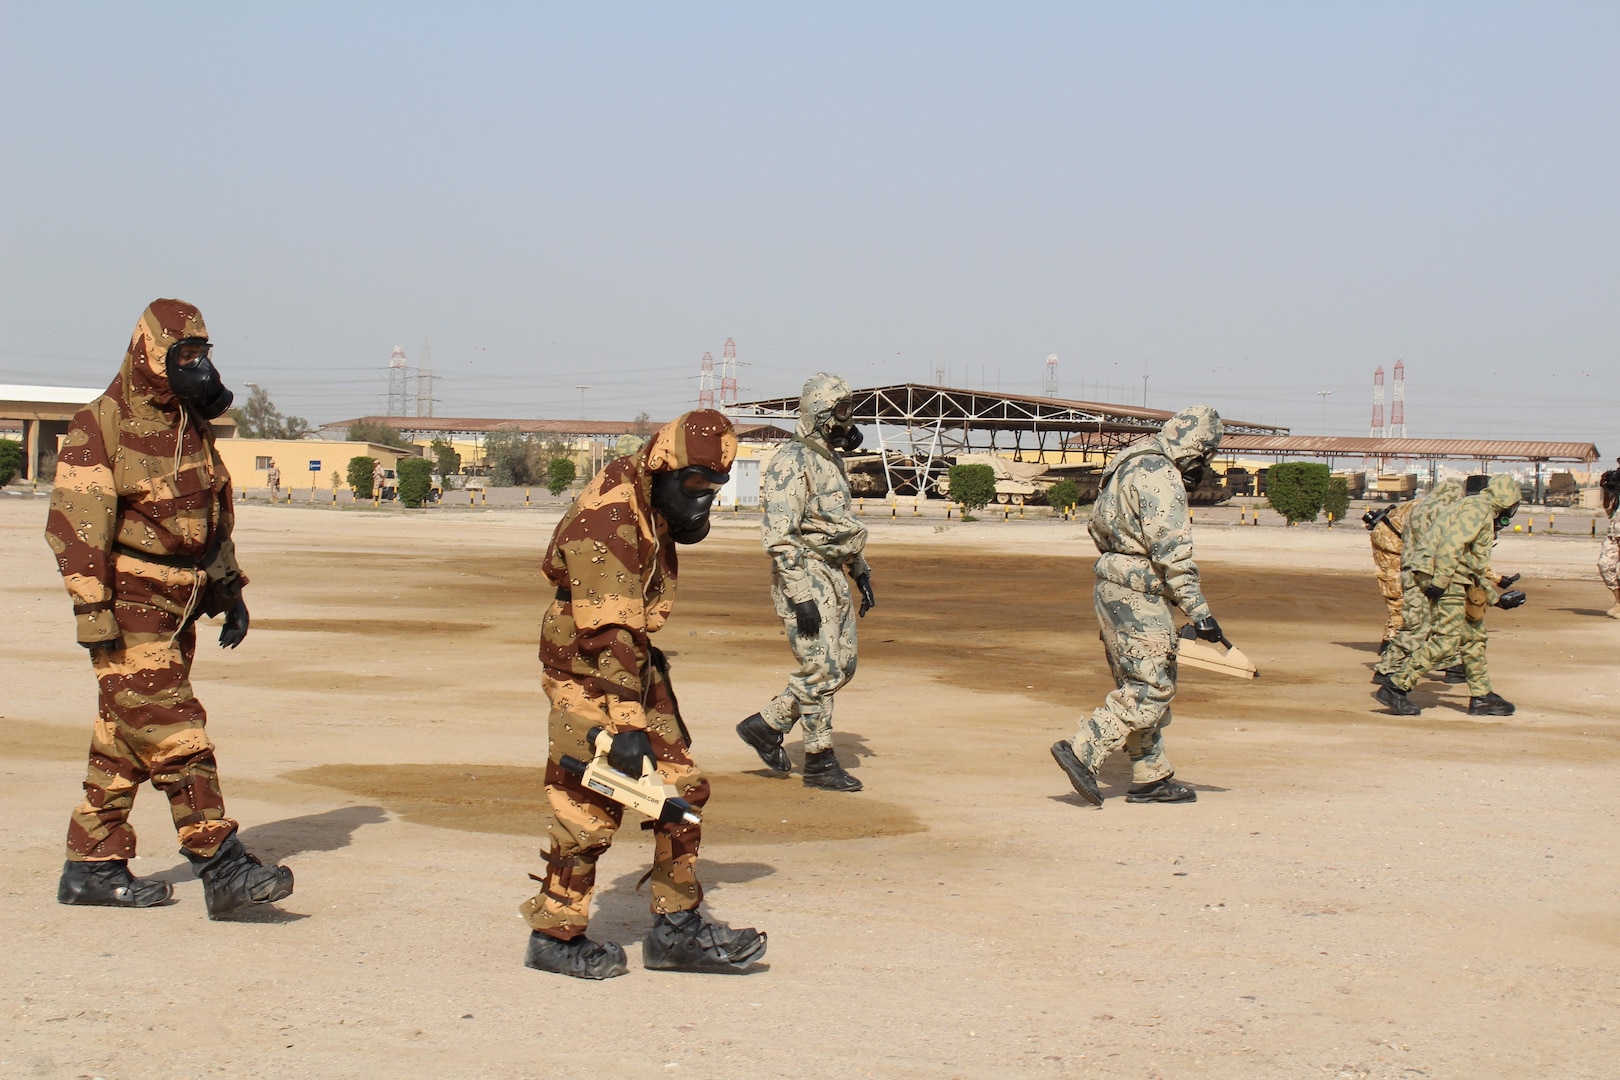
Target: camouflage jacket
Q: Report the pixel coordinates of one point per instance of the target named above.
(805, 492)
(1141, 523)
(1417, 539)
(614, 566)
(1388, 537)
(1464, 534)
(138, 475)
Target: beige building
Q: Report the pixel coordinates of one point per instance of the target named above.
(305, 464)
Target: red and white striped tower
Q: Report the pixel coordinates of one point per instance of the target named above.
(1051, 388)
(706, 382)
(1397, 406)
(1377, 431)
(728, 374)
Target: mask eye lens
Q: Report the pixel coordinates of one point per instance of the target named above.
(696, 485)
(843, 411)
(189, 354)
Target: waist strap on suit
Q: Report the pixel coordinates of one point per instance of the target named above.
(176, 561)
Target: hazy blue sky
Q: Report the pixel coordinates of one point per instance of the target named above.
(1247, 202)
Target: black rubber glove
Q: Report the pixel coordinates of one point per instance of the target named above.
(101, 648)
(1433, 592)
(1509, 580)
(808, 617)
(236, 625)
(628, 750)
(1512, 599)
(868, 601)
(1208, 629)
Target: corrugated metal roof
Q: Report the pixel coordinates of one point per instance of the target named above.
(49, 395)
(461, 425)
(1424, 449)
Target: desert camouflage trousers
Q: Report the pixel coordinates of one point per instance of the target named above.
(1609, 562)
(1139, 636)
(1450, 634)
(149, 726)
(1389, 585)
(583, 823)
(826, 660)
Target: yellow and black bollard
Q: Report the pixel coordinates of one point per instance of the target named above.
(526, 492)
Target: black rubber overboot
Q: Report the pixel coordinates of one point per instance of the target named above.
(1380, 678)
(1492, 704)
(1383, 646)
(767, 743)
(233, 879)
(1455, 674)
(109, 884)
(580, 958)
(1396, 699)
(821, 770)
(1164, 790)
(686, 941)
(1078, 774)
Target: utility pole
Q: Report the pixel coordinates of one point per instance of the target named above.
(1144, 391)
(1324, 395)
(581, 388)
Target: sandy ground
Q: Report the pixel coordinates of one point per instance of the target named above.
(1353, 895)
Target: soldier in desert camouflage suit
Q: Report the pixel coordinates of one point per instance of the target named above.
(814, 539)
(1458, 585)
(1143, 529)
(1387, 545)
(140, 523)
(612, 561)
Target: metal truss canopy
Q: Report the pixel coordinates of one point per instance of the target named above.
(937, 422)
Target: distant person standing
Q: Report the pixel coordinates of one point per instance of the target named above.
(1142, 526)
(376, 479)
(814, 540)
(1609, 557)
(272, 478)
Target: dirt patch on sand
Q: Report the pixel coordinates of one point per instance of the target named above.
(507, 799)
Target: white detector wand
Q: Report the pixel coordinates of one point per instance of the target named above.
(648, 794)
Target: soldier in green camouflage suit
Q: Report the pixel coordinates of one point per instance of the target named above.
(814, 539)
(1417, 554)
(1458, 586)
(1142, 527)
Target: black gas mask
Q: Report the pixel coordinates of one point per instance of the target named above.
(683, 498)
(1505, 518)
(842, 434)
(195, 380)
(1194, 472)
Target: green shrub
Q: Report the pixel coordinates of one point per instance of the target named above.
(1337, 502)
(1063, 495)
(512, 458)
(1297, 489)
(972, 485)
(361, 470)
(11, 457)
(415, 480)
(445, 459)
(559, 474)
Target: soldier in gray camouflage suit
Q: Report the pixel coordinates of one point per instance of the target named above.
(1143, 529)
(814, 539)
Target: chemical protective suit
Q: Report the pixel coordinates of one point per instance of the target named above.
(1387, 544)
(1452, 572)
(612, 561)
(140, 523)
(1143, 528)
(1609, 555)
(814, 539)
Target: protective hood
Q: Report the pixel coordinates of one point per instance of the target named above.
(1502, 492)
(821, 392)
(1448, 490)
(1192, 434)
(143, 380)
(703, 437)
